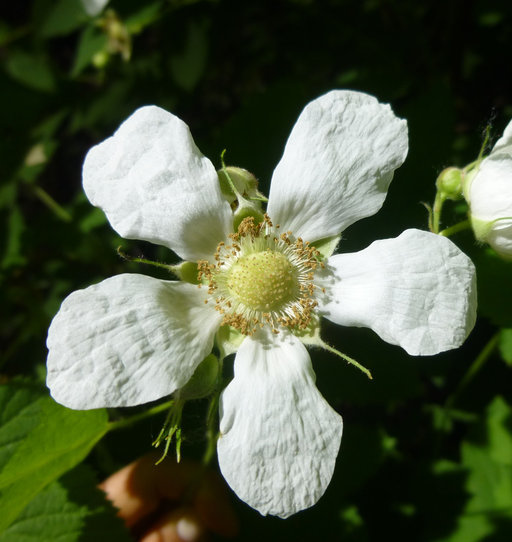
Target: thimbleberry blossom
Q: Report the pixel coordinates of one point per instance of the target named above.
(488, 190)
(132, 339)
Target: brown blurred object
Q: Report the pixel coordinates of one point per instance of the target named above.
(171, 502)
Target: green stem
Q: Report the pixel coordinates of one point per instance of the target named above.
(211, 431)
(212, 434)
(348, 359)
(429, 211)
(436, 211)
(127, 422)
(59, 211)
(456, 228)
(484, 143)
(145, 261)
(480, 360)
(473, 369)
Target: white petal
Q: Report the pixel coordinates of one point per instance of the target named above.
(417, 291)
(500, 239)
(94, 7)
(279, 437)
(490, 197)
(337, 164)
(127, 340)
(154, 184)
(504, 144)
(490, 193)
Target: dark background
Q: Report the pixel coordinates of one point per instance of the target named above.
(239, 73)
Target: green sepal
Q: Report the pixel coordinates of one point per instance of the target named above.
(186, 271)
(245, 210)
(310, 335)
(482, 228)
(228, 340)
(243, 183)
(203, 380)
(327, 245)
(468, 174)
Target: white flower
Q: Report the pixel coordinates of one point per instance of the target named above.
(132, 339)
(94, 7)
(489, 194)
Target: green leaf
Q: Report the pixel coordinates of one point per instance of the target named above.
(488, 459)
(63, 17)
(188, 66)
(31, 70)
(92, 41)
(39, 441)
(92, 220)
(145, 16)
(71, 509)
(505, 345)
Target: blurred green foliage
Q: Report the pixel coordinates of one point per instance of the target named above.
(427, 449)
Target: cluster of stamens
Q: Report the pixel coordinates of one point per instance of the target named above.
(262, 277)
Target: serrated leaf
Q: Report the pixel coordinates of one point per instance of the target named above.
(488, 459)
(71, 509)
(39, 441)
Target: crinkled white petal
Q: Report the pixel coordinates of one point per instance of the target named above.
(417, 291)
(93, 7)
(490, 197)
(154, 184)
(279, 437)
(491, 190)
(500, 239)
(504, 144)
(127, 340)
(337, 164)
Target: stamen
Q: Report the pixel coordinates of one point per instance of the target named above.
(262, 278)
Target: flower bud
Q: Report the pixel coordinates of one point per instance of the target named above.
(488, 191)
(244, 181)
(449, 183)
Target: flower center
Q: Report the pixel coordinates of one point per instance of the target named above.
(262, 278)
(263, 281)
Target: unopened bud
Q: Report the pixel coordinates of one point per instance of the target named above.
(244, 182)
(449, 183)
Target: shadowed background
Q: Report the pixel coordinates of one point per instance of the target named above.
(239, 73)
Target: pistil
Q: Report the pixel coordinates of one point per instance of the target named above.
(262, 278)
